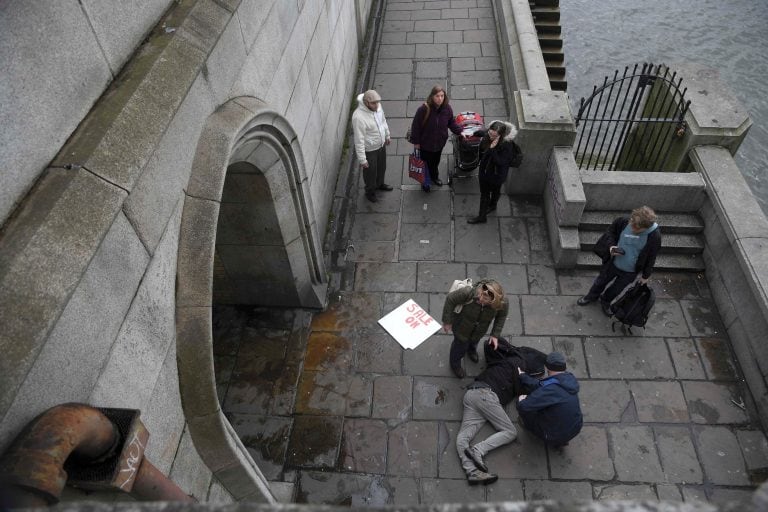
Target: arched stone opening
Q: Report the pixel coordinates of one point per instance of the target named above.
(248, 233)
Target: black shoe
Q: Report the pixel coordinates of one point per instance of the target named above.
(386, 188)
(472, 355)
(480, 477)
(477, 220)
(476, 458)
(437, 182)
(606, 308)
(491, 208)
(425, 188)
(371, 196)
(583, 301)
(459, 372)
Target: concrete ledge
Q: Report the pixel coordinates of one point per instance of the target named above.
(736, 234)
(44, 253)
(520, 49)
(663, 191)
(563, 205)
(118, 137)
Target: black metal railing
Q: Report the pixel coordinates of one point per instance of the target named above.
(630, 122)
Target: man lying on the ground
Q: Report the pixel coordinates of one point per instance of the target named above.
(484, 401)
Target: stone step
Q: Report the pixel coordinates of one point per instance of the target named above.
(550, 41)
(552, 53)
(559, 85)
(548, 26)
(672, 243)
(539, 3)
(555, 59)
(669, 222)
(545, 13)
(664, 262)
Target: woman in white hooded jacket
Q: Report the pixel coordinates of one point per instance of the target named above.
(371, 136)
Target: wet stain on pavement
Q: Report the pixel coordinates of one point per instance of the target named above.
(703, 410)
(440, 397)
(718, 358)
(314, 441)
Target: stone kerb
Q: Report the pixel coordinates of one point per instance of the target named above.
(520, 49)
(736, 255)
(667, 192)
(564, 203)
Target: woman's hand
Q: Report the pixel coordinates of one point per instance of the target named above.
(447, 328)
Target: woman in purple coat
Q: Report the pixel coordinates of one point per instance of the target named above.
(429, 131)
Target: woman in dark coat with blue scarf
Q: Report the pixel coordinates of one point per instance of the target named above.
(499, 153)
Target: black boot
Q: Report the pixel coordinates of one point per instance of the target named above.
(494, 199)
(480, 219)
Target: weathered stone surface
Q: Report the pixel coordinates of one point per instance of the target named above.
(523, 458)
(628, 358)
(717, 358)
(329, 351)
(560, 491)
(659, 402)
(424, 242)
(624, 492)
(450, 491)
(586, 456)
(392, 397)
(678, 456)
(573, 350)
(314, 442)
(437, 398)
(364, 446)
(429, 358)
(378, 353)
(266, 439)
(385, 277)
(412, 449)
(477, 243)
(720, 455)
(337, 489)
(603, 401)
(188, 471)
(710, 402)
(634, 454)
(686, 359)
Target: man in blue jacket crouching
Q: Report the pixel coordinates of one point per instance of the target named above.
(551, 409)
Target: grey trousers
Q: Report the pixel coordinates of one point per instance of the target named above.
(481, 406)
(373, 176)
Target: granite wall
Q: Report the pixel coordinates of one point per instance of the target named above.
(112, 103)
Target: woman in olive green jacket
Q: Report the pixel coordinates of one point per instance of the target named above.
(482, 304)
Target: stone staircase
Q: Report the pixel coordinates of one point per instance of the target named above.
(682, 241)
(546, 18)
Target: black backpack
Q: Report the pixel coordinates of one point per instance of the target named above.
(633, 307)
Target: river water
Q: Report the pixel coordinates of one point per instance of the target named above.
(731, 36)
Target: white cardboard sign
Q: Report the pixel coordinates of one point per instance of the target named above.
(409, 324)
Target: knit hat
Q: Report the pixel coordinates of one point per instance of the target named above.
(555, 362)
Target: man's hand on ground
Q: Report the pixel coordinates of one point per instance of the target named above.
(447, 328)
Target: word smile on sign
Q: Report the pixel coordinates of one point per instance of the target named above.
(410, 324)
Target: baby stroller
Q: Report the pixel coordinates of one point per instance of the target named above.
(466, 147)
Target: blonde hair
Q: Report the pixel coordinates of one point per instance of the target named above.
(643, 217)
(498, 293)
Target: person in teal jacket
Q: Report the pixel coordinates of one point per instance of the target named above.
(482, 305)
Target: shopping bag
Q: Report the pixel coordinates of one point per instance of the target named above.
(417, 168)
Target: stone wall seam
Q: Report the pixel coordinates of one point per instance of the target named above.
(96, 38)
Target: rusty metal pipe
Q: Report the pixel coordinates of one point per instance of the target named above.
(31, 470)
(152, 485)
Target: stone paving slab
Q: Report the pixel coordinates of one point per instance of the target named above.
(363, 446)
(563, 491)
(412, 449)
(437, 398)
(392, 397)
(634, 454)
(720, 455)
(678, 455)
(659, 402)
(686, 359)
(625, 492)
(585, 458)
(710, 402)
(628, 358)
(604, 401)
(424, 242)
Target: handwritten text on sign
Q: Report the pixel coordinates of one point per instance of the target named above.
(409, 324)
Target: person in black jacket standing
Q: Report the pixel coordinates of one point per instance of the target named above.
(551, 409)
(499, 154)
(484, 401)
(627, 249)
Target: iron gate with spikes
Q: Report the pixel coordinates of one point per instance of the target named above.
(630, 122)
